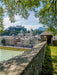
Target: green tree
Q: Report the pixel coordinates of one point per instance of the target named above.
(3, 41)
(1, 19)
(47, 14)
(14, 30)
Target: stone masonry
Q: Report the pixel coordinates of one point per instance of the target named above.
(29, 63)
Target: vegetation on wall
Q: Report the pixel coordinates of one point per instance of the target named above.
(54, 58)
(50, 62)
(47, 68)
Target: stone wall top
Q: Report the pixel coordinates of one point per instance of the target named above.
(17, 65)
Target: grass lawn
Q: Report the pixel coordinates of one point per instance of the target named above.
(50, 62)
(9, 48)
(54, 58)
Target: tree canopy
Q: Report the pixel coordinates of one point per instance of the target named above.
(3, 41)
(14, 30)
(47, 14)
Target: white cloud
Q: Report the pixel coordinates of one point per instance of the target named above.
(29, 23)
(32, 26)
(7, 22)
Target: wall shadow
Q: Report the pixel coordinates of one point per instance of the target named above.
(18, 62)
(47, 67)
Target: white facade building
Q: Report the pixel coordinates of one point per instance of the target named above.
(26, 40)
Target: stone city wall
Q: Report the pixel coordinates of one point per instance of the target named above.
(29, 63)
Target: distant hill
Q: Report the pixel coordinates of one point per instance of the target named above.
(41, 29)
(38, 31)
(14, 30)
(20, 29)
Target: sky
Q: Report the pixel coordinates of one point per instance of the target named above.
(31, 23)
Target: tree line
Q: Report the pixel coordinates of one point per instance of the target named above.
(19, 29)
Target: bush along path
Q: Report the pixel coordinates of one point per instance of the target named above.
(47, 68)
(54, 58)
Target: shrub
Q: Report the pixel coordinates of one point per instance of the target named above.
(3, 41)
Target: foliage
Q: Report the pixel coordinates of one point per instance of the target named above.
(54, 58)
(3, 41)
(47, 65)
(50, 62)
(19, 29)
(1, 19)
(37, 32)
(53, 30)
(12, 48)
(14, 30)
(47, 14)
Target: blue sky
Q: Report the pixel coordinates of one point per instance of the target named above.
(31, 22)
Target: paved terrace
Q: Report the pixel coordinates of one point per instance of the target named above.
(29, 63)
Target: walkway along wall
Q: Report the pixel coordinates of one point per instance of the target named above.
(29, 63)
